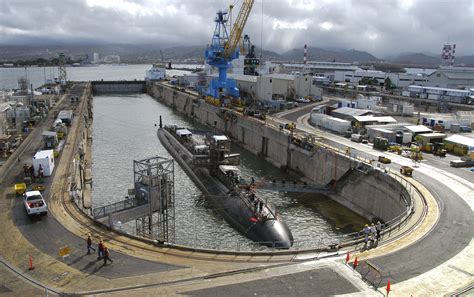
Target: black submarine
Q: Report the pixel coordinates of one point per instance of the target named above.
(207, 160)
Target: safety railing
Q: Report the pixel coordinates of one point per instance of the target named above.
(103, 211)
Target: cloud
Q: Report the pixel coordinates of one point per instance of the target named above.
(380, 27)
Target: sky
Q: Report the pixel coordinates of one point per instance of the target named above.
(380, 27)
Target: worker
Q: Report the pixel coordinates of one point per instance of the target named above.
(100, 248)
(107, 256)
(378, 227)
(366, 232)
(89, 244)
(40, 172)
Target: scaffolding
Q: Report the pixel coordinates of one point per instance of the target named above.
(154, 186)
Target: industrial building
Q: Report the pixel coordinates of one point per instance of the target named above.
(400, 80)
(4, 108)
(452, 77)
(275, 87)
(319, 69)
(439, 94)
(446, 120)
(460, 145)
(350, 114)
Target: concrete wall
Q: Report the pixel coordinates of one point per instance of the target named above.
(372, 195)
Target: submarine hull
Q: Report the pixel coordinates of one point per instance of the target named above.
(232, 207)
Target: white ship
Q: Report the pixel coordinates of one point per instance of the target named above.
(156, 72)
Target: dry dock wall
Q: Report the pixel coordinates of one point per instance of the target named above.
(369, 194)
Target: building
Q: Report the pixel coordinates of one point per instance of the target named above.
(400, 80)
(452, 77)
(349, 114)
(112, 59)
(461, 118)
(426, 138)
(95, 58)
(320, 69)
(4, 108)
(275, 87)
(438, 94)
(460, 145)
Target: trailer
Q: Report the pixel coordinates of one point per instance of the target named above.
(45, 159)
(66, 117)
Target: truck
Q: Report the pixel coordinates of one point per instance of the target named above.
(384, 160)
(381, 143)
(34, 203)
(356, 137)
(463, 162)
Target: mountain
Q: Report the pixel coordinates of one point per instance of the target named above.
(466, 60)
(329, 55)
(417, 59)
(129, 53)
(426, 59)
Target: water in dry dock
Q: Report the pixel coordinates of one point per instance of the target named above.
(124, 130)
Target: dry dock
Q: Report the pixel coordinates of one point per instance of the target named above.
(142, 268)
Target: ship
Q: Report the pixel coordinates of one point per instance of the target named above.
(156, 72)
(207, 160)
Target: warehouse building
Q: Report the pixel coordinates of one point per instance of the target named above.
(276, 87)
(452, 77)
(460, 145)
(438, 94)
(400, 80)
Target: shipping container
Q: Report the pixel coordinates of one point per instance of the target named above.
(46, 160)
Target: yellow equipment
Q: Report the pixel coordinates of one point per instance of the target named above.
(20, 188)
(384, 160)
(406, 170)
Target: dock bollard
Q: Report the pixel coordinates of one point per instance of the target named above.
(30, 264)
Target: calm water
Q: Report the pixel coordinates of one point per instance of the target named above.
(124, 130)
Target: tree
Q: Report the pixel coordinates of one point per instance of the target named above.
(388, 84)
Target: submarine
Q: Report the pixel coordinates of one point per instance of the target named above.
(207, 160)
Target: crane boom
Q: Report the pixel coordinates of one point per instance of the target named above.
(238, 28)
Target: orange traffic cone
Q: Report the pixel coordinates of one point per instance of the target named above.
(356, 262)
(388, 287)
(347, 257)
(30, 264)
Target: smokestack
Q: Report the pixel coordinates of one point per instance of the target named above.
(305, 55)
(452, 57)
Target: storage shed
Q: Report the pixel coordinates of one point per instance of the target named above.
(46, 160)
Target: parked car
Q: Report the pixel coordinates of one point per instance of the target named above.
(303, 100)
(34, 203)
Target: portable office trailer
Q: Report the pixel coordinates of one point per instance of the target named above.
(46, 160)
(66, 117)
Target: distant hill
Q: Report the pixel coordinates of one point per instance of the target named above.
(422, 59)
(417, 59)
(466, 60)
(328, 55)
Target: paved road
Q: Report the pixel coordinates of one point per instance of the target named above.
(452, 233)
(318, 282)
